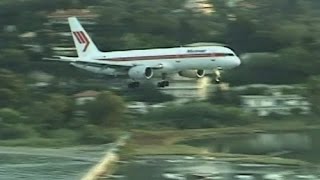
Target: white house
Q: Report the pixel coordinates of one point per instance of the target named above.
(137, 107)
(86, 96)
(280, 104)
(201, 6)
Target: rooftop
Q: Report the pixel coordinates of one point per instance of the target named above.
(89, 93)
(289, 96)
(80, 13)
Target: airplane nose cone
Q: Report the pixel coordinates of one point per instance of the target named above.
(237, 62)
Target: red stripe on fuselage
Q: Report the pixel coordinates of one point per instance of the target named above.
(178, 56)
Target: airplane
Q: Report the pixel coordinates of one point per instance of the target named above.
(141, 65)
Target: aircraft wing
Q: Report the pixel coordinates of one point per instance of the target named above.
(81, 60)
(62, 58)
(111, 64)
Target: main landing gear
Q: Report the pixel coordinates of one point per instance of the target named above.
(164, 82)
(134, 84)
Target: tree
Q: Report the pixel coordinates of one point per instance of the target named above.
(299, 59)
(44, 116)
(239, 34)
(53, 113)
(290, 65)
(225, 97)
(13, 59)
(290, 34)
(7, 97)
(12, 88)
(107, 110)
(148, 93)
(198, 115)
(8, 131)
(93, 134)
(10, 116)
(313, 88)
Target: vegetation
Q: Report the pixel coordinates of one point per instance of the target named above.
(197, 115)
(147, 93)
(33, 114)
(226, 157)
(286, 31)
(293, 38)
(314, 94)
(150, 142)
(106, 110)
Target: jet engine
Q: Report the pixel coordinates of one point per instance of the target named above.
(192, 73)
(140, 72)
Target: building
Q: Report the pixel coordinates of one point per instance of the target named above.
(269, 89)
(86, 96)
(241, 4)
(10, 28)
(232, 3)
(64, 51)
(280, 104)
(137, 107)
(87, 16)
(200, 6)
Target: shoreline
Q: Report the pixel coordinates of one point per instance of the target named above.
(174, 136)
(169, 142)
(168, 136)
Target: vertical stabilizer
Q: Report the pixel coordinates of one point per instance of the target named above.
(84, 45)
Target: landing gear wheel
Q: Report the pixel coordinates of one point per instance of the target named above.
(160, 84)
(166, 83)
(163, 84)
(133, 85)
(217, 80)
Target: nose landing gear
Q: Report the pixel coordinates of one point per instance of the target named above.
(217, 73)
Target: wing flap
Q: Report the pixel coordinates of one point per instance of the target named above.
(62, 58)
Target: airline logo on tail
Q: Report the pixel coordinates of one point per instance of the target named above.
(82, 39)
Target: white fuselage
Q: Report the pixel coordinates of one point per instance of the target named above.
(169, 60)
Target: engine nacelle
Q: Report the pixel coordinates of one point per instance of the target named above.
(193, 73)
(140, 73)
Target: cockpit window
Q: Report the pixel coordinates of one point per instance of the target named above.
(222, 54)
(229, 54)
